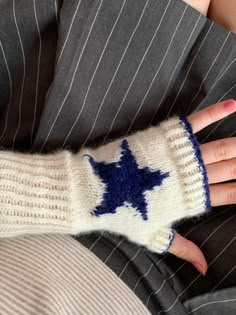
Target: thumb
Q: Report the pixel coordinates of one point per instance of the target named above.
(187, 250)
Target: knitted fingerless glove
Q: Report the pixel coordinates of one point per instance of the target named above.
(136, 186)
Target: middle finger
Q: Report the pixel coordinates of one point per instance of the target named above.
(221, 171)
(223, 194)
(219, 150)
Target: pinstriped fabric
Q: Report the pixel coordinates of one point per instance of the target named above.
(153, 64)
(52, 275)
(38, 70)
(21, 56)
(10, 93)
(23, 76)
(197, 277)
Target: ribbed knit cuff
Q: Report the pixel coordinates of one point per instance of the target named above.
(34, 194)
(190, 165)
(161, 240)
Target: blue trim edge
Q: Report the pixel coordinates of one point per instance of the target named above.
(198, 155)
(170, 240)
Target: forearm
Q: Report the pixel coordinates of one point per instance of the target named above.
(136, 186)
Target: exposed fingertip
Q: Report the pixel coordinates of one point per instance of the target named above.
(202, 268)
(230, 105)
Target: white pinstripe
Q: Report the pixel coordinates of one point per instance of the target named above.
(220, 77)
(176, 66)
(109, 256)
(232, 87)
(204, 79)
(143, 276)
(23, 78)
(213, 302)
(10, 96)
(152, 79)
(174, 273)
(222, 74)
(101, 105)
(38, 70)
(68, 34)
(214, 129)
(194, 280)
(91, 81)
(122, 57)
(190, 67)
(137, 70)
(96, 241)
(136, 254)
(56, 16)
(73, 77)
(56, 12)
(223, 279)
(232, 134)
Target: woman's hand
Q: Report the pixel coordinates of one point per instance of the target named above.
(220, 160)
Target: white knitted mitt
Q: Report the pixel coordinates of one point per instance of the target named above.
(136, 186)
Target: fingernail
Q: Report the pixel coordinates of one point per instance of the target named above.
(230, 105)
(200, 268)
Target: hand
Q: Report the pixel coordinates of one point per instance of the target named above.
(220, 160)
(201, 6)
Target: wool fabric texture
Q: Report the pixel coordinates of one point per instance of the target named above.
(136, 186)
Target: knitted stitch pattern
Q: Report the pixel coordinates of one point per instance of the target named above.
(136, 186)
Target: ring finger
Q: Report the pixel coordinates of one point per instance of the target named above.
(223, 194)
(219, 150)
(215, 173)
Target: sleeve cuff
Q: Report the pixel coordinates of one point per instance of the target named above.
(191, 168)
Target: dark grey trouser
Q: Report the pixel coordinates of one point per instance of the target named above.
(221, 302)
(81, 72)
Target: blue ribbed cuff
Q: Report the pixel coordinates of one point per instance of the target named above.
(169, 242)
(199, 158)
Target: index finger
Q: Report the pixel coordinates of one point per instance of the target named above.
(211, 114)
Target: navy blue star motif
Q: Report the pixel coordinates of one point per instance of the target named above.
(125, 183)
